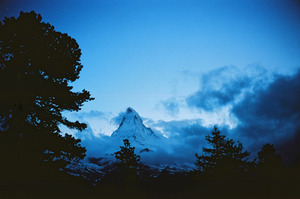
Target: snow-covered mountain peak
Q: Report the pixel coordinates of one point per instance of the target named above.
(132, 128)
(131, 117)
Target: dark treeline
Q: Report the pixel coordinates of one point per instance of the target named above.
(37, 65)
(223, 170)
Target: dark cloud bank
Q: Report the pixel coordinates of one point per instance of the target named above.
(226, 85)
(267, 108)
(272, 115)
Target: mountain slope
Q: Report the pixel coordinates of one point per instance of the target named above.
(139, 136)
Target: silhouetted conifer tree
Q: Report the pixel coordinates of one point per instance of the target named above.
(127, 156)
(37, 65)
(224, 158)
(123, 181)
(270, 164)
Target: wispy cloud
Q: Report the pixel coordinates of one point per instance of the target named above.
(91, 114)
(185, 138)
(224, 86)
(99, 122)
(171, 106)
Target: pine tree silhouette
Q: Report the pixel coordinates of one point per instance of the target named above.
(224, 158)
(270, 164)
(37, 65)
(127, 156)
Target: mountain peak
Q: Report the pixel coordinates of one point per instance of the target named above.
(129, 110)
(131, 117)
(132, 128)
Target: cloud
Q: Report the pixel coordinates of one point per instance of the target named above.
(272, 115)
(171, 106)
(225, 86)
(266, 106)
(118, 119)
(95, 145)
(100, 122)
(185, 138)
(91, 114)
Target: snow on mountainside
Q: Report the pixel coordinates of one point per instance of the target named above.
(139, 136)
(148, 144)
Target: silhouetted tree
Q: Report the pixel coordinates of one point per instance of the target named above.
(224, 158)
(268, 154)
(123, 181)
(270, 163)
(37, 65)
(127, 156)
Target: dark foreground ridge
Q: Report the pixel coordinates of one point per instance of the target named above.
(128, 178)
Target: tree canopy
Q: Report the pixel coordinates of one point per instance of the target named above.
(127, 156)
(224, 157)
(270, 163)
(37, 66)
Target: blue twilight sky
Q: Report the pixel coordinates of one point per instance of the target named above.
(177, 63)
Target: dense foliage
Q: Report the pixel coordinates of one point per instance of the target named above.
(224, 158)
(37, 65)
(127, 156)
